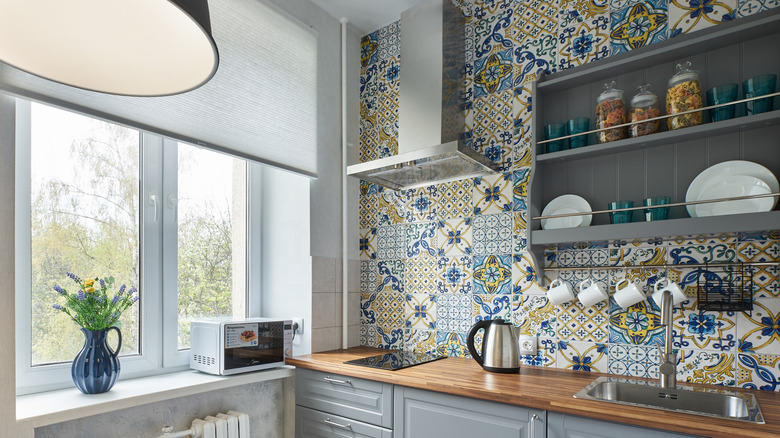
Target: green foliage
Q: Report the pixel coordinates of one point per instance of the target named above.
(91, 307)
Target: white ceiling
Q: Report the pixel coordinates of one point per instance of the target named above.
(367, 15)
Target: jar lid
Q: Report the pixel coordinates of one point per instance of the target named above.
(610, 92)
(644, 96)
(683, 72)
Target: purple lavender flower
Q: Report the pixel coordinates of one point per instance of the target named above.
(74, 277)
(115, 300)
(57, 306)
(102, 283)
(121, 289)
(59, 290)
(132, 291)
(134, 299)
(81, 296)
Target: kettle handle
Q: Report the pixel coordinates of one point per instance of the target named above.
(470, 339)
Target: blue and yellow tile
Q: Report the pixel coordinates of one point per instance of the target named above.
(420, 275)
(392, 339)
(420, 311)
(389, 39)
(485, 306)
(696, 366)
(638, 325)
(491, 114)
(368, 335)
(455, 237)
(492, 234)
(577, 11)
(581, 43)
(422, 204)
(583, 356)
(368, 278)
(690, 15)
(545, 354)
(759, 330)
(367, 313)
(369, 50)
(492, 274)
(498, 148)
(522, 147)
(638, 25)
(492, 32)
(368, 243)
(390, 276)
(368, 211)
(704, 330)
(520, 182)
(390, 207)
(522, 111)
(421, 240)
(524, 275)
(454, 275)
(388, 310)
(534, 315)
(535, 19)
(579, 323)
(455, 199)
(492, 194)
(452, 344)
(533, 58)
(758, 371)
(493, 72)
(519, 234)
(484, 8)
(453, 312)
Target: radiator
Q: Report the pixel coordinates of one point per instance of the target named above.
(231, 425)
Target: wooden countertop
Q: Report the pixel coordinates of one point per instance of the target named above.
(541, 388)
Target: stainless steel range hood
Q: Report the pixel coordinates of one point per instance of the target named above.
(431, 118)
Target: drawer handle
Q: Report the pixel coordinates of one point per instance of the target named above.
(340, 426)
(340, 382)
(534, 417)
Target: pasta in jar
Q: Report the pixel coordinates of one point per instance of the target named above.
(610, 111)
(684, 94)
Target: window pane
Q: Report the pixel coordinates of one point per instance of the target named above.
(84, 219)
(212, 237)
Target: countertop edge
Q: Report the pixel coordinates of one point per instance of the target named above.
(629, 415)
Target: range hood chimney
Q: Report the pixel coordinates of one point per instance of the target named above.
(431, 119)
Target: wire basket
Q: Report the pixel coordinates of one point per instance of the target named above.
(734, 293)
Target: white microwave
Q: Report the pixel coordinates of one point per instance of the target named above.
(239, 346)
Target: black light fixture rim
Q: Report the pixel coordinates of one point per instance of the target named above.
(206, 29)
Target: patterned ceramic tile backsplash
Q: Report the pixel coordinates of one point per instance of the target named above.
(438, 259)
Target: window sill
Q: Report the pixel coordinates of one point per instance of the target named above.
(53, 407)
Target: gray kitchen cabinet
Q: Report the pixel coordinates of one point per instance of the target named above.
(572, 426)
(424, 414)
(332, 405)
(662, 163)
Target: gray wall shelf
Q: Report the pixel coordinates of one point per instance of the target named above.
(660, 164)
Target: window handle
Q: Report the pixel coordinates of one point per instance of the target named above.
(153, 203)
(172, 204)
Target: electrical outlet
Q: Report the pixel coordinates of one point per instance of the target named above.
(299, 321)
(527, 345)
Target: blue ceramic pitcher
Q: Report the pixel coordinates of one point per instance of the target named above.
(96, 367)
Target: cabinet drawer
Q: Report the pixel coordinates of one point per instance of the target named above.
(362, 400)
(315, 424)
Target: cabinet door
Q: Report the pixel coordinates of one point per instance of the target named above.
(315, 424)
(425, 414)
(571, 426)
(350, 397)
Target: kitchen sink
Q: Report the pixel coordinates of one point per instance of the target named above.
(718, 403)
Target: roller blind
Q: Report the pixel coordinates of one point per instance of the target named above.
(260, 105)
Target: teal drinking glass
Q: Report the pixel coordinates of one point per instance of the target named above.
(659, 213)
(553, 131)
(759, 86)
(722, 94)
(577, 126)
(621, 217)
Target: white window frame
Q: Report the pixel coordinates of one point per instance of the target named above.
(158, 345)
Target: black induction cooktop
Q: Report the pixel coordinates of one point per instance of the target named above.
(395, 360)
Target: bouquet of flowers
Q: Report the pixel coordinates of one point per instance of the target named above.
(92, 307)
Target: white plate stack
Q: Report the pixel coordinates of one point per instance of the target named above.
(731, 179)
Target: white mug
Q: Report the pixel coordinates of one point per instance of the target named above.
(678, 296)
(629, 294)
(560, 292)
(591, 293)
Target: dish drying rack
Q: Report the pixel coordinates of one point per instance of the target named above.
(733, 294)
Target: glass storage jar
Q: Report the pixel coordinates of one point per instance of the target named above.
(644, 106)
(684, 94)
(610, 111)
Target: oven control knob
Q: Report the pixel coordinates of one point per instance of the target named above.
(288, 352)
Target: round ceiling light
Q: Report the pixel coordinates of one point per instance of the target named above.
(126, 47)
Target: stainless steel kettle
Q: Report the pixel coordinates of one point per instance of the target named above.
(500, 346)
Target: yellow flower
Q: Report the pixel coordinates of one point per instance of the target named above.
(89, 282)
(89, 290)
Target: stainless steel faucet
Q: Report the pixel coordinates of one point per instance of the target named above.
(668, 369)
